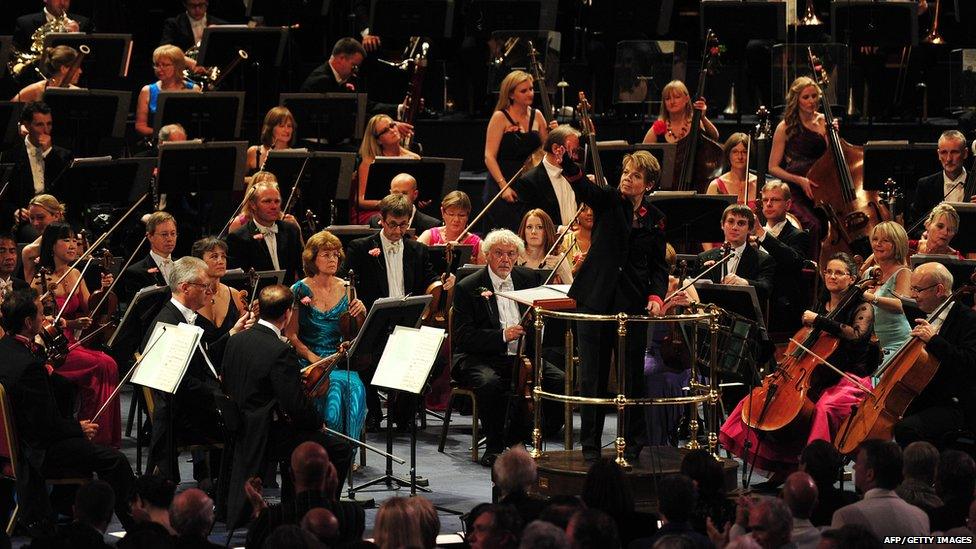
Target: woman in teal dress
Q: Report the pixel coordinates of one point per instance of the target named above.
(889, 242)
(321, 298)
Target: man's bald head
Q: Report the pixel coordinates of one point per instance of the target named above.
(405, 184)
(312, 469)
(800, 494)
(191, 514)
(321, 523)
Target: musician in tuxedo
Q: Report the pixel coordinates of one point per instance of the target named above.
(193, 412)
(37, 162)
(339, 75)
(948, 185)
(487, 330)
(261, 376)
(186, 29)
(787, 245)
(52, 444)
(153, 269)
(53, 9)
(544, 186)
(948, 402)
(266, 242)
(624, 272)
(8, 266)
(748, 266)
(406, 185)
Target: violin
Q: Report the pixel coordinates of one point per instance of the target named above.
(315, 376)
(781, 401)
(697, 154)
(903, 378)
(52, 336)
(349, 325)
(106, 305)
(436, 314)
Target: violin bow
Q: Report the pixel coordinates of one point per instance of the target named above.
(490, 203)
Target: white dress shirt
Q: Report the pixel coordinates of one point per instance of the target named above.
(733, 263)
(775, 229)
(564, 192)
(393, 256)
(272, 327)
(165, 264)
(508, 314)
(188, 314)
(197, 27)
(957, 186)
(36, 158)
(271, 241)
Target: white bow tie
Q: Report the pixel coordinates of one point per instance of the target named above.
(393, 248)
(268, 230)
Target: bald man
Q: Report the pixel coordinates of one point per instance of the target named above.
(192, 515)
(322, 524)
(800, 495)
(948, 402)
(406, 185)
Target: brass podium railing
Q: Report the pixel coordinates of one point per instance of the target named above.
(705, 394)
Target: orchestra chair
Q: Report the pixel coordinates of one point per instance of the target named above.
(10, 449)
(151, 408)
(458, 390)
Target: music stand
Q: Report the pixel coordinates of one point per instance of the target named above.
(467, 270)
(742, 304)
(900, 160)
(965, 241)
(737, 22)
(435, 177)
(94, 181)
(214, 169)
(265, 46)
(612, 155)
(348, 233)
(327, 118)
(89, 122)
(327, 176)
(690, 217)
(108, 62)
(10, 124)
(871, 23)
(6, 47)
(507, 56)
(214, 116)
(406, 18)
(438, 256)
(139, 314)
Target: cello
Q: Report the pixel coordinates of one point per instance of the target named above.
(851, 211)
(903, 378)
(699, 155)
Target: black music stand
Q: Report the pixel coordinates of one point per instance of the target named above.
(108, 62)
(328, 119)
(10, 124)
(435, 178)
(89, 122)
(965, 240)
(871, 23)
(265, 46)
(504, 59)
(692, 218)
(214, 116)
(348, 233)
(326, 177)
(902, 161)
(737, 22)
(212, 170)
(97, 190)
(438, 256)
(467, 270)
(743, 304)
(612, 154)
(237, 279)
(406, 18)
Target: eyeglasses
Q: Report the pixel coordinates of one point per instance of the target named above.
(380, 133)
(829, 273)
(330, 254)
(500, 254)
(402, 226)
(918, 290)
(207, 288)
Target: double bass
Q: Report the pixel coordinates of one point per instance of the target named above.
(698, 154)
(539, 76)
(851, 211)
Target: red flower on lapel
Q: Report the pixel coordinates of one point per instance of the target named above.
(375, 252)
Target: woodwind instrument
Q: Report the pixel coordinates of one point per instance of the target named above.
(414, 101)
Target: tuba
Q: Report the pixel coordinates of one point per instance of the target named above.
(20, 60)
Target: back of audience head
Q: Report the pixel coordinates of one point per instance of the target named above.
(94, 504)
(192, 514)
(312, 470)
(771, 522)
(822, 462)
(290, 536)
(706, 472)
(878, 465)
(322, 524)
(515, 471)
(920, 459)
(396, 525)
(800, 494)
(674, 541)
(543, 535)
(559, 509)
(955, 477)
(849, 536)
(151, 492)
(677, 498)
(430, 523)
(606, 489)
(592, 528)
(494, 526)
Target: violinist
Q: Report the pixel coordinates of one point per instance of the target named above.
(266, 242)
(226, 305)
(674, 121)
(261, 374)
(381, 137)
(800, 140)
(42, 210)
(577, 242)
(320, 298)
(93, 372)
(406, 185)
(948, 185)
(833, 396)
(155, 268)
(948, 402)
(748, 266)
(941, 227)
(8, 265)
(168, 62)
(455, 209)
(277, 133)
(890, 245)
(487, 330)
(544, 186)
(736, 152)
(539, 234)
(247, 212)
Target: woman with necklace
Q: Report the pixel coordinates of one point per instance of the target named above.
(455, 209)
(890, 244)
(226, 304)
(736, 152)
(674, 122)
(168, 63)
(382, 137)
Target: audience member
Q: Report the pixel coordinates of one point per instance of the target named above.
(607, 490)
(93, 507)
(560, 509)
(970, 528)
(494, 526)
(150, 500)
(592, 528)
(770, 523)
(676, 496)
(955, 481)
(800, 495)
(543, 535)
(396, 525)
(515, 473)
(918, 488)
(322, 524)
(291, 536)
(877, 472)
(824, 463)
(709, 478)
(850, 536)
(430, 523)
(192, 516)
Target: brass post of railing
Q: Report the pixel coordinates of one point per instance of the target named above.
(621, 442)
(568, 389)
(536, 399)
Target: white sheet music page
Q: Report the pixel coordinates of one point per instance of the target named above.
(408, 357)
(165, 364)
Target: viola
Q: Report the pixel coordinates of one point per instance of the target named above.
(315, 376)
(436, 315)
(781, 401)
(699, 155)
(903, 378)
(349, 325)
(102, 306)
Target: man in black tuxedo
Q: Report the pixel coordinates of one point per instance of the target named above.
(748, 266)
(948, 402)
(261, 376)
(154, 269)
(947, 185)
(53, 9)
(624, 272)
(487, 331)
(8, 266)
(52, 444)
(186, 29)
(544, 186)
(406, 185)
(38, 162)
(266, 243)
(787, 246)
(339, 75)
(193, 413)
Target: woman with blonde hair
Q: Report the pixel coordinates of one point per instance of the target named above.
(941, 227)
(397, 525)
(382, 137)
(277, 133)
(890, 245)
(42, 210)
(674, 121)
(168, 63)
(515, 131)
(321, 298)
(57, 61)
(455, 209)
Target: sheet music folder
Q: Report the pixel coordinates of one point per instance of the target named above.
(170, 350)
(409, 355)
(551, 297)
(741, 300)
(385, 314)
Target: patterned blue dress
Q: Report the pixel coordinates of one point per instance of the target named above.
(344, 406)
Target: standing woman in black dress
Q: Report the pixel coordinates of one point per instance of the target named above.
(515, 131)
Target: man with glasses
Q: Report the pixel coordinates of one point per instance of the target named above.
(266, 242)
(155, 268)
(487, 332)
(948, 402)
(947, 185)
(789, 246)
(186, 29)
(194, 412)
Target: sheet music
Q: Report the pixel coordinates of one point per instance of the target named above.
(408, 357)
(167, 360)
(528, 296)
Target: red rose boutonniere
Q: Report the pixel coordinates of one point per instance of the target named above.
(642, 211)
(660, 127)
(485, 292)
(258, 236)
(154, 270)
(375, 252)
